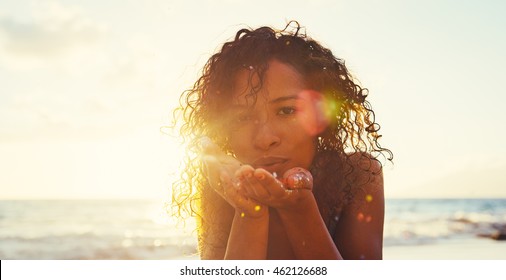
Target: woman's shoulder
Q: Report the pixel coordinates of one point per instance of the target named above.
(359, 232)
(366, 172)
(364, 161)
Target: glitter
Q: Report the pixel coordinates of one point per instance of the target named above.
(257, 208)
(368, 198)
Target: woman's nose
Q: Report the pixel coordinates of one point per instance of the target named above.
(266, 136)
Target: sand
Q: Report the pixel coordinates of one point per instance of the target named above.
(467, 249)
(464, 249)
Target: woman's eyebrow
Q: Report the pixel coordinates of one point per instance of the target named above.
(284, 98)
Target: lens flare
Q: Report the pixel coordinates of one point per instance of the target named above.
(360, 217)
(315, 111)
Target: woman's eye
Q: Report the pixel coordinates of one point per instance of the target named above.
(287, 111)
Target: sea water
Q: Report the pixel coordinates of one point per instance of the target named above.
(141, 229)
(92, 229)
(430, 221)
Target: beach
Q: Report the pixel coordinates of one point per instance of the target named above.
(415, 229)
(469, 249)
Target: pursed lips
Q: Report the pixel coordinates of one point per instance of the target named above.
(269, 163)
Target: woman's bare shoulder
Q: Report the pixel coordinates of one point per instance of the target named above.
(366, 174)
(364, 162)
(359, 234)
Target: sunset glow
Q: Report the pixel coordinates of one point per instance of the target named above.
(85, 89)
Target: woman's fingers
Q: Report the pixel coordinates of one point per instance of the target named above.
(271, 184)
(262, 186)
(283, 193)
(250, 183)
(234, 195)
(219, 171)
(216, 163)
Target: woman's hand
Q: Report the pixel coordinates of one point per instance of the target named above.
(219, 170)
(286, 193)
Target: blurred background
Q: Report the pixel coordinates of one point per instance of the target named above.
(86, 86)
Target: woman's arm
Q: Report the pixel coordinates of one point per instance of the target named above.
(229, 234)
(359, 233)
(360, 229)
(245, 220)
(297, 210)
(214, 223)
(248, 238)
(306, 230)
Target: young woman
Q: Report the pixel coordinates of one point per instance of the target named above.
(283, 153)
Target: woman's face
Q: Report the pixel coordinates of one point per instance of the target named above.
(273, 133)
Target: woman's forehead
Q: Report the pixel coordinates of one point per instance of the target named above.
(280, 81)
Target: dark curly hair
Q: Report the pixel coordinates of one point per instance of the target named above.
(352, 129)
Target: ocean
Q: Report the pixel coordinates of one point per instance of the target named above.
(92, 229)
(142, 229)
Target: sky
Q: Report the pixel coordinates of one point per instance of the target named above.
(85, 87)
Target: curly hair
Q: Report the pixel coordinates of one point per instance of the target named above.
(352, 128)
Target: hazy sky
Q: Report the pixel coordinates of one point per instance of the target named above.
(86, 85)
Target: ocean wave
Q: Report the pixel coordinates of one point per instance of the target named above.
(94, 247)
(143, 230)
(437, 230)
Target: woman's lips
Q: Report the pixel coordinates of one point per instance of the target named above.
(270, 163)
